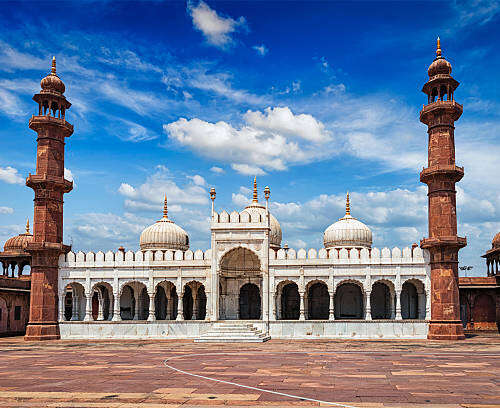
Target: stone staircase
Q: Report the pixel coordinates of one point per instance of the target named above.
(233, 332)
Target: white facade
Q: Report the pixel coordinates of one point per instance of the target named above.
(336, 292)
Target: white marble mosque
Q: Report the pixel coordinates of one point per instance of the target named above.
(246, 285)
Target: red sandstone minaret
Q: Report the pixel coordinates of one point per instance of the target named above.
(49, 186)
(443, 244)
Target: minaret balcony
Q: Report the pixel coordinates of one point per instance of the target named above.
(36, 122)
(451, 172)
(451, 242)
(437, 107)
(35, 181)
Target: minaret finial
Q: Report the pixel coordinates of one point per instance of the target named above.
(347, 205)
(165, 209)
(255, 195)
(438, 48)
(53, 70)
(27, 225)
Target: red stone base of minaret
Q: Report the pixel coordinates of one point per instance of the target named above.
(42, 331)
(445, 330)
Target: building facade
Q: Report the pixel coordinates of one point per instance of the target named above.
(246, 278)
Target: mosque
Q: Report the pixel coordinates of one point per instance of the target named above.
(248, 286)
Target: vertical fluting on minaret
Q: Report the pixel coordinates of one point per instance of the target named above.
(443, 243)
(49, 186)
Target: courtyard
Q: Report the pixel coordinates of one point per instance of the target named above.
(278, 373)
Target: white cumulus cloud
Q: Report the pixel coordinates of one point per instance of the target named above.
(270, 140)
(216, 29)
(10, 175)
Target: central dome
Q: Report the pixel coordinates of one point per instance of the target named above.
(164, 234)
(257, 208)
(347, 232)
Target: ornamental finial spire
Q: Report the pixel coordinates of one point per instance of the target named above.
(438, 48)
(255, 195)
(53, 70)
(165, 209)
(347, 205)
(27, 225)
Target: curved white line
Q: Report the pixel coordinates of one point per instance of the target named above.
(248, 386)
(165, 362)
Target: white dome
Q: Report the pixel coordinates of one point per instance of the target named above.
(164, 234)
(347, 232)
(275, 233)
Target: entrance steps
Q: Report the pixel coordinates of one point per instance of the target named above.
(233, 332)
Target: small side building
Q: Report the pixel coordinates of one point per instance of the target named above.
(480, 295)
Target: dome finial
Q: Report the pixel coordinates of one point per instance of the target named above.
(165, 209)
(27, 225)
(255, 196)
(347, 205)
(438, 48)
(53, 70)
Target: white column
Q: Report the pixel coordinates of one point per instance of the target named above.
(427, 305)
(74, 306)
(100, 305)
(368, 306)
(61, 308)
(272, 305)
(169, 305)
(88, 307)
(331, 311)
(194, 294)
(151, 315)
(302, 315)
(265, 296)
(116, 307)
(180, 307)
(398, 305)
(137, 305)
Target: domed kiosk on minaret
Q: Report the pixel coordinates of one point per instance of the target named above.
(164, 234)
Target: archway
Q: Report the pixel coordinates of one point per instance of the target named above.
(249, 302)
(74, 301)
(127, 303)
(160, 303)
(318, 301)
(348, 301)
(101, 301)
(238, 267)
(290, 302)
(409, 301)
(201, 300)
(484, 309)
(380, 301)
(187, 303)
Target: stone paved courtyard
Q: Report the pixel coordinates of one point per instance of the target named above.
(349, 373)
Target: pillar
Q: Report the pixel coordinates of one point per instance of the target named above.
(180, 307)
(331, 310)
(368, 305)
(152, 305)
(302, 315)
(88, 307)
(61, 308)
(194, 294)
(398, 305)
(100, 312)
(137, 298)
(74, 306)
(116, 307)
(265, 297)
(170, 304)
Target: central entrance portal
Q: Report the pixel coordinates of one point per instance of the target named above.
(240, 286)
(249, 302)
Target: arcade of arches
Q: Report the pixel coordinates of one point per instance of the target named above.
(241, 299)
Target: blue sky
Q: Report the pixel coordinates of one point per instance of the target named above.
(315, 98)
